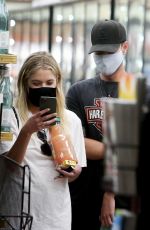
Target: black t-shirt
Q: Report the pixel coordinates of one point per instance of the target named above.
(85, 99)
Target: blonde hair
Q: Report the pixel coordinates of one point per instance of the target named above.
(36, 61)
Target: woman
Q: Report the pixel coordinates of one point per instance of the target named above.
(50, 199)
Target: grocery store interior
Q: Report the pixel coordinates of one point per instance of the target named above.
(63, 27)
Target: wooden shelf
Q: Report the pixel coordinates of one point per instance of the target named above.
(8, 59)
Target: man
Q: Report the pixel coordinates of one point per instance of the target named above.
(109, 46)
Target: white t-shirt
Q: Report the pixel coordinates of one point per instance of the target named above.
(50, 198)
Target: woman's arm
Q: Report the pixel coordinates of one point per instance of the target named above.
(18, 150)
(34, 124)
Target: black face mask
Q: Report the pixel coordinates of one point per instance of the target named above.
(35, 94)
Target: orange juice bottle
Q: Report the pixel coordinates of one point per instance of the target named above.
(128, 88)
(63, 151)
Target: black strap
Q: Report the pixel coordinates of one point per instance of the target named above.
(16, 116)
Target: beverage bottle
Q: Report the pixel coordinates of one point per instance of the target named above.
(128, 87)
(4, 28)
(63, 151)
(2, 72)
(7, 99)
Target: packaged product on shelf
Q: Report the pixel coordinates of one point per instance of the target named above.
(7, 99)
(4, 28)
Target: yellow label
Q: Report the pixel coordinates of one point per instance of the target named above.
(8, 58)
(68, 163)
(128, 88)
(5, 136)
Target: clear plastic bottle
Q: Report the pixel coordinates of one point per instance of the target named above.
(5, 91)
(4, 28)
(63, 151)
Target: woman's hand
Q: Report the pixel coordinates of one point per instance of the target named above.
(107, 210)
(71, 175)
(39, 121)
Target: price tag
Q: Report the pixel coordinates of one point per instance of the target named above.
(6, 136)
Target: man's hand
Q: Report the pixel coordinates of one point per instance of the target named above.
(107, 210)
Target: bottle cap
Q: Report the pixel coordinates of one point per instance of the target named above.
(58, 120)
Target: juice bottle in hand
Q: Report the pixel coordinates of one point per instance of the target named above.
(63, 151)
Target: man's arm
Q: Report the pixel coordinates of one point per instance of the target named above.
(107, 209)
(94, 149)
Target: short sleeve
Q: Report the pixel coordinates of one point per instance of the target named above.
(74, 102)
(77, 138)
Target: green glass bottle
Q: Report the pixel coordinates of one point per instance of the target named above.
(5, 91)
(4, 28)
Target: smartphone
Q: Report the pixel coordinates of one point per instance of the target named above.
(48, 102)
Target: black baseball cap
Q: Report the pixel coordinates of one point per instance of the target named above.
(107, 35)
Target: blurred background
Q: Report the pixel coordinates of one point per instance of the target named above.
(63, 27)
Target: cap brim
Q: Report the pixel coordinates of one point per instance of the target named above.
(104, 47)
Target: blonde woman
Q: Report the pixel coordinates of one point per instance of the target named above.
(50, 199)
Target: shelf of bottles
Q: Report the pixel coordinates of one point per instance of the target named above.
(11, 217)
(6, 97)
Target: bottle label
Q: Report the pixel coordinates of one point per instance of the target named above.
(67, 163)
(4, 39)
(6, 116)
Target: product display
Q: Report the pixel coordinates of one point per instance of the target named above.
(7, 99)
(4, 28)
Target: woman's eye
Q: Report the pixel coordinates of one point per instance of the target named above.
(36, 84)
(49, 83)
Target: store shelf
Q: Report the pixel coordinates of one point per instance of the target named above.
(8, 58)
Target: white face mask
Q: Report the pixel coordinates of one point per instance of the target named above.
(107, 64)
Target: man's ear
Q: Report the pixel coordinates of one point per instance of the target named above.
(124, 47)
